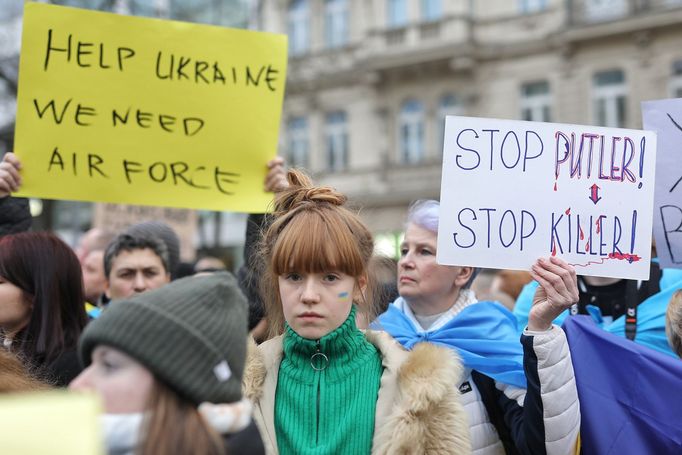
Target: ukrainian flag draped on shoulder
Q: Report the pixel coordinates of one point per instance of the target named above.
(650, 321)
(484, 334)
(650, 314)
(630, 400)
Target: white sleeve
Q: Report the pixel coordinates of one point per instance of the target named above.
(559, 395)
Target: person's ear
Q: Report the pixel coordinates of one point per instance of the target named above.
(362, 283)
(360, 288)
(463, 276)
(106, 288)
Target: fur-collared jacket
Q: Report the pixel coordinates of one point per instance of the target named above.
(418, 409)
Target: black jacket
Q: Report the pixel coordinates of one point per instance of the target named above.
(246, 441)
(15, 215)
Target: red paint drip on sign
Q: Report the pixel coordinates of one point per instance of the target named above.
(625, 257)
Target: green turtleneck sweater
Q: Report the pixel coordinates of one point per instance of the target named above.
(330, 410)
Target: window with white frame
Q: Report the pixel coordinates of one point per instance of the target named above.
(676, 80)
(599, 10)
(609, 95)
(411, 122)
(536, 102)
(297, 141)
(336, 141)
(397, 13)
(448, 104)
(432, 10)
(336, 23)
(532, 6)
(299, 27)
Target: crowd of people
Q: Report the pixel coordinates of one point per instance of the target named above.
(315, 345)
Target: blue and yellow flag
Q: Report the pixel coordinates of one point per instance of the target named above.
(630, 397)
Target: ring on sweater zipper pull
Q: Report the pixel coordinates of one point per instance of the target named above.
(319, 361)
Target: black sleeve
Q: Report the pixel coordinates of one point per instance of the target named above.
(256, 224)
(15, 215)
(527, 424)
(521, 429)
(247, 441)
(248, 273)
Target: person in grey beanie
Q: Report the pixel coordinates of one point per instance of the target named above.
(168, 366)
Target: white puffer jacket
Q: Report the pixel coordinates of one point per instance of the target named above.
(558, 414)
(542, 419)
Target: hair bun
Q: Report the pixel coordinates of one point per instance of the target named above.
(301, 191)
(324, 194)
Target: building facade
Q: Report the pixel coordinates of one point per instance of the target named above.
(370, 81)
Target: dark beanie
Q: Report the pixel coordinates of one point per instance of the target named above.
(191, 334)
(160, 230)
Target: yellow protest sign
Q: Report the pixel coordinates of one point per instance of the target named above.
(58, 423)
(144, 111)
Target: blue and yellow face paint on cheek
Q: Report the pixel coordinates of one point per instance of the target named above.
(344, 296)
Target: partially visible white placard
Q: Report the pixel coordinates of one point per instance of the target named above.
(513, 191)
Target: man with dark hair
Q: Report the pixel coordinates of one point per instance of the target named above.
(135, 264)
(165, 233)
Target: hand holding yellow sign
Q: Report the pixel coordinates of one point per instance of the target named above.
(143, 111)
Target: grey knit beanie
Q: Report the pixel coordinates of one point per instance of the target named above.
(160, 230)
(191, 334)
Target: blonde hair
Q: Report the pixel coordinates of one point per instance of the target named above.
(673, 322)
(15, 377)
(313, 232)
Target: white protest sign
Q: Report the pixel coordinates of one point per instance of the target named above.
(665, 118)
(515, 191)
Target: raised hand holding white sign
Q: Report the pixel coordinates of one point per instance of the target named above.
(513, 191)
